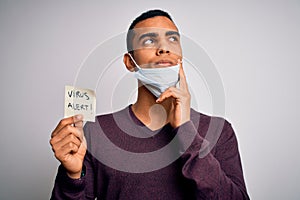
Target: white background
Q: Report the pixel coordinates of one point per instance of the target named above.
(255, 46)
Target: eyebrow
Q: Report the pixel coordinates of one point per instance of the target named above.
(148, 35)
(152, 34)
(168, 33)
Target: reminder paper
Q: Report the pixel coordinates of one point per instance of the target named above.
(80, 101)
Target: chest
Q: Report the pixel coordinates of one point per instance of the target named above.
(165, 183)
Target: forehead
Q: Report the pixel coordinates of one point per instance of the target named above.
(158, 22)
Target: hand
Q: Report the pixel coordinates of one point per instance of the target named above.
(69, 144)
(180, 112)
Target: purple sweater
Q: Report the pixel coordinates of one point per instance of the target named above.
(200, 172)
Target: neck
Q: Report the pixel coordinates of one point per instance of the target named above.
(152, 114)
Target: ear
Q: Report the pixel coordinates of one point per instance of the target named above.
(128, 62)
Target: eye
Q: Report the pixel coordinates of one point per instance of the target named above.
(173, 39)
(148, 41)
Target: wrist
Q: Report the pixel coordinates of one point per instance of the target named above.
(77, 175)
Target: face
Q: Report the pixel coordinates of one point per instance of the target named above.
(156, 43)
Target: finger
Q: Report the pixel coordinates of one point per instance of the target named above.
(78, 132)
(79, 124)
(69, 148)
(67, 121)
(182, 78)
(65, 151)
(70, 141)
(170, 92)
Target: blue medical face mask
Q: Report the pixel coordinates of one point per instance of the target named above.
(157, 80)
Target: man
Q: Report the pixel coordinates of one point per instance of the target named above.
(163, 111)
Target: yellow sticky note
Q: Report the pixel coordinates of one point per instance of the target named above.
(80, 101)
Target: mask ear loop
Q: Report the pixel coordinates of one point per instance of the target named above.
(136, 65)
(179, 62)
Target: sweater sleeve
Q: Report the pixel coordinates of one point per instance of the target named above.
(66, 188)
(216, 175)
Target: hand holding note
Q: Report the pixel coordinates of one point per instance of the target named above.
(67, 140)
(69, 144)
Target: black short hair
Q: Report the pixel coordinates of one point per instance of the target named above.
(146, 15)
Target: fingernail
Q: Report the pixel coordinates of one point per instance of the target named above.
(79, 117)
